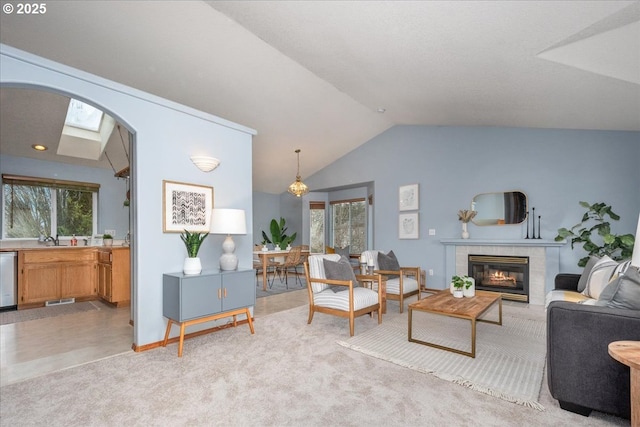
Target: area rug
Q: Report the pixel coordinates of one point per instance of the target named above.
(509, 360)
(280, 287)
(16, 316)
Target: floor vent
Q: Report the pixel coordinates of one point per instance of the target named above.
(60, 301)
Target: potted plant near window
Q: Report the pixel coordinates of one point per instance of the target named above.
(279, 238)
(192, 241)
(107, 239)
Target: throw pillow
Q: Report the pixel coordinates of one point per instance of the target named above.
(623, 291)
(599, 277)
(343, 251)
(388, 262)
(582, 283)
(340, 270)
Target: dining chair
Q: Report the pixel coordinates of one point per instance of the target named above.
(291, 261)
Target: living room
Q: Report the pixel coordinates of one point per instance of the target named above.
(451, 163)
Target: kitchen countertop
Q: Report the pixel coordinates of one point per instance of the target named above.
(66, 247)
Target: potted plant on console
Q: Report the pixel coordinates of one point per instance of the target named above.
(192, 241)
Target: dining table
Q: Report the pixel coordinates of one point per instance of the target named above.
(264, 257)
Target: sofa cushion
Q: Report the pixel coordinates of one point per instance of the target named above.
(569, 296)
(599, 277)
(582, 283)
(623, 291)
(340, 270)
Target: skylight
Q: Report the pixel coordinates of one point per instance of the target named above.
(83, 116)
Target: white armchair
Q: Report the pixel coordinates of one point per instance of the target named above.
(401, 283)
(350, 302)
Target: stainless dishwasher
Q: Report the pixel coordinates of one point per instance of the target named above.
(8, 281)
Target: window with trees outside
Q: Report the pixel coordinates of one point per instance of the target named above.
(317, 220)
(40, 206)
(349, 224)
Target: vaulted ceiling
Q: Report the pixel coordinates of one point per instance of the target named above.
(314, 74)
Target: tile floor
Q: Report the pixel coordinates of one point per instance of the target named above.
(36, 347)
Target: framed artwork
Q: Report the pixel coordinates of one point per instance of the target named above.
(408, 226)
(186, 207)
(409, 197)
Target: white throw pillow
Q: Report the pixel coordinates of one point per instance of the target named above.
(599, 277)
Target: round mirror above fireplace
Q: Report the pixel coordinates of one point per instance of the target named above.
(508, 207)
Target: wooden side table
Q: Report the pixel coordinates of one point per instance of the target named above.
(628, 353)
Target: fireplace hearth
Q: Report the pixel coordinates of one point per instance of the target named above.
(508, 275)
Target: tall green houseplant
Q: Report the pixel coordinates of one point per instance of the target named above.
(597, 238)
(278, 234)
(193, 241)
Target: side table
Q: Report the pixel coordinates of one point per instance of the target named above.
(628, 353)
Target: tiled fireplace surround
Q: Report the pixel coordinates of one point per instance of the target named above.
(544, 259)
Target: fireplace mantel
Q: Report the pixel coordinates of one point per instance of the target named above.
(504, 242)
(544, 258)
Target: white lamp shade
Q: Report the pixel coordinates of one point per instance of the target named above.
(635, 258)
(228, 221)
(205, 163)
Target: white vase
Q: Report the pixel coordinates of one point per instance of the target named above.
(471, 291)
(192, 266)
(465, 233)
(458, 293)
(451, 288)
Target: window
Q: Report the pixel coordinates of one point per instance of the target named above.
(317, 214)
(34, 206)
(83, 116)
(349, 221)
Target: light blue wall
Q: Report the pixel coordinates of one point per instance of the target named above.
(112, 214)
(265, 207)
(165, 135)
(555, 168)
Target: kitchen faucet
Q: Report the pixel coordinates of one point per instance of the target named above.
(56, 241)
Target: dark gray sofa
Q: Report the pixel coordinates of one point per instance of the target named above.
(580, 373)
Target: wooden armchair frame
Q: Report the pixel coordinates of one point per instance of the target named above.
(404, 271)
(351, 314)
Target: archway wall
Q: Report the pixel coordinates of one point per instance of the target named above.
(166, 134)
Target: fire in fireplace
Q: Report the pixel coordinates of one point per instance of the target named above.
(506, 274)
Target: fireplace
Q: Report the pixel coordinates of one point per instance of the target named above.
(508, 275)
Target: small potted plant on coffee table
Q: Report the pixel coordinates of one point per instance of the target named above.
(458, 283)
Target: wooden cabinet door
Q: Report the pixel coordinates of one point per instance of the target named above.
(104, 281)
(120, 275)
(40, 282)
(78, 280)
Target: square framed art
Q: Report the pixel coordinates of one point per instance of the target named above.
(186, 207)
(408, 198)
(408, 226)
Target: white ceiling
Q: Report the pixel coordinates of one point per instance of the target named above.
(312, 74)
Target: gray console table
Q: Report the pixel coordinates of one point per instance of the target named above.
(211, 295)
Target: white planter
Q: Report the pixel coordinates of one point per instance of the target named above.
(458, 293)
(192, 266)
(471, 292)
(107, 242)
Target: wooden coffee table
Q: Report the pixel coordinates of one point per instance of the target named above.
(443, 303)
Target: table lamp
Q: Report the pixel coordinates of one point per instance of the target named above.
(228, 221)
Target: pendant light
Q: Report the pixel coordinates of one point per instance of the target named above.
(298, 188)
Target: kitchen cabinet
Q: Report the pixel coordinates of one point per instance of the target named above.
(113, 275)
(204, 297)
(53, 274)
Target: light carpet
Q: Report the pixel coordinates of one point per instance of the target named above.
(16, 316)
(287, 374)
(509, 360)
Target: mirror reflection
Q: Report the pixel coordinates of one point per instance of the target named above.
(500, 208)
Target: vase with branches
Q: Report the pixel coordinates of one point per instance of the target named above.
(466, 215)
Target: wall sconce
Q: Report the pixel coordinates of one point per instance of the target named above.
(205, 163)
